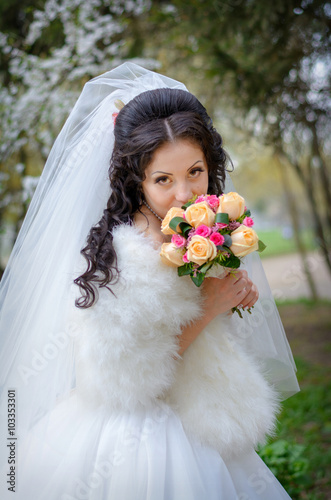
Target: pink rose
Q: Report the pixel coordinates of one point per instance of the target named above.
(220, 225)
(178, 240)
(203, 230)
(185, 259)
(213, 201)
(248, 221)
(200, 199)
(217, 239)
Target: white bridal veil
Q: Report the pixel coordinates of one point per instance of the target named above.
(37, 362)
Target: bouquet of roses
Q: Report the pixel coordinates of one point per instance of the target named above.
(209, 231)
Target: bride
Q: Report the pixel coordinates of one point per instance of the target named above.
(121, 380)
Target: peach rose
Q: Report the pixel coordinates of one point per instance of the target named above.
(173, 212)
(171, 255)
(201, 250)
(232, 204)
(244, 241)
(200, 213)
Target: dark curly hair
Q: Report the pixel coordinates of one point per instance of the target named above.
(147, 122)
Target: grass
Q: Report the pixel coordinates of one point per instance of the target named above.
(309, 305)
(300, 455)
(278, 245)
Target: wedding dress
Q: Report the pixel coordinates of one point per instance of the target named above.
(142, 423)
(105, 409)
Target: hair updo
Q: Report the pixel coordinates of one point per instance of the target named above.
(147, 122)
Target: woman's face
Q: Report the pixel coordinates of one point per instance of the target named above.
(176, 173)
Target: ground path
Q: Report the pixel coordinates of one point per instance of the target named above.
(288, 281)
(308, 327)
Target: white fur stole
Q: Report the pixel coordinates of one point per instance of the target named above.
(126, 353)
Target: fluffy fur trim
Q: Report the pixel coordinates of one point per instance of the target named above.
(220, 394)
(126, 353)
(126, 350)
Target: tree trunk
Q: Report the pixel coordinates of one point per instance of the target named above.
(293, 210)
(310, 193)
(324, 175)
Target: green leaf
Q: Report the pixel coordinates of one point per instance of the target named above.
(262, 246)
(190, 202)
(179, 221)
(185, 228)
(235, 309)
(227, 240)
(222, 218)
(184, 270)
(247, 213)
(204, 268)
(198, 279)
(221, 257)
(232, 261)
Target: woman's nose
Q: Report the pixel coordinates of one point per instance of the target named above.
(184, 193)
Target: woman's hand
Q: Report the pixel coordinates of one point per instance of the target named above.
(220, 296)
(223, 294)
(251, 297)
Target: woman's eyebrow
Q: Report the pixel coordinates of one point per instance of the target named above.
(198, 161)
(160, 172)
(168, 173)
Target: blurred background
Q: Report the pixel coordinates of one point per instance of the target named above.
(262, 70)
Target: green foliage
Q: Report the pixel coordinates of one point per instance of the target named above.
(185, 270)
(304, 430)
(289, 463)
(262, 246)
(198, 278)
(277, 244)
(269, 64)
(230, 260)
(184, 227)
(309, 304)
(227, 240)
(300, 456)
(222, 218)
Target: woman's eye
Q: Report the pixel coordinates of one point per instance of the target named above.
(162, 180)
(195, 172)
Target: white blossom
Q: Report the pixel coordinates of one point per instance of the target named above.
(43, 88)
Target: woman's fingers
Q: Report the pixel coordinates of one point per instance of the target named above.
(250, 298)
(243, 283)
(223, 294)
(247, 292)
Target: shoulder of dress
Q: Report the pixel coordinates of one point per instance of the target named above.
(144, 282)
(130, 241)
(138, 257)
